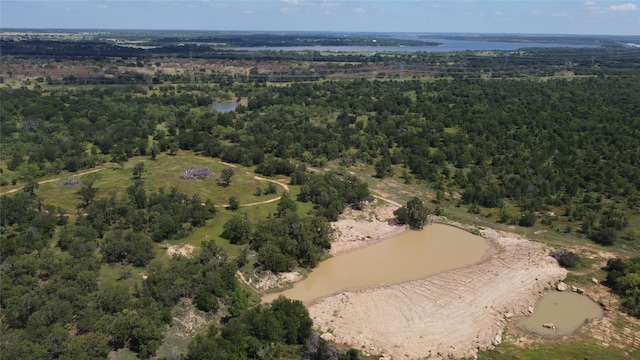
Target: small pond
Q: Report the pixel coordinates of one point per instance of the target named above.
(567, 311)
(224, 106)
(408, 256)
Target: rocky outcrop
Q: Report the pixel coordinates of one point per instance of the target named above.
(562, 286)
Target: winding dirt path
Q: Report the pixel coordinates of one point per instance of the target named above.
(52, 180)
(283, 185)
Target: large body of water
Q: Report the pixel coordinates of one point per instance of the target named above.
(408, 256)
(565, 310)
(447, 46)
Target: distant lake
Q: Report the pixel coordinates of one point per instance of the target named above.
(224, 107)
(447, 46)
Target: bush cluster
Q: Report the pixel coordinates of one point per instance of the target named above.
(566, 258)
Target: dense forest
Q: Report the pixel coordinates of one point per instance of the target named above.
(564, 146)
(519, 151)
(623, 276)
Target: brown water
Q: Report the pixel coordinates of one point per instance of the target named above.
(408, 256)
(566, 310)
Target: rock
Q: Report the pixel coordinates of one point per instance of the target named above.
(327, 336)
(549, 326)
(497, 340)
(508, 315)
(531, 309)
(580, 291)
(562, 286)
(574, 289)
(595, 281)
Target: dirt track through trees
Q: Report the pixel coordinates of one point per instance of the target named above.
(52, 180)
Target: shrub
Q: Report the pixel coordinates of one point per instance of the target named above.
(566, 258)
(528, 219)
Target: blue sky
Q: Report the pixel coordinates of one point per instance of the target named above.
(506, 16)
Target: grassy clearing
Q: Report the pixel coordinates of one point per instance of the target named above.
(578, 349)
(165, 172)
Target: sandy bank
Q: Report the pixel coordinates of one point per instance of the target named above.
(451, 313)
(356, 229)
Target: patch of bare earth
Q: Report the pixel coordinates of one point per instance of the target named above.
(187, 319)
(454, 313)
(184, 250)
(355, 229)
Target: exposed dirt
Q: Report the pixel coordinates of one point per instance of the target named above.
(184, 250)
(355, 229)
(267, 280)
(187, 318)
(452, 313)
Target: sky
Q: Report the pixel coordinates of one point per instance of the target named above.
(459, 16)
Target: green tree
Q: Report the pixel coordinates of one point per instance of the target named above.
(234, 204)
(528, 219)
(87, 193)
(89, 346)
(225, 177)
(30, 187)
(414, 214)
(138, 170)
(285, 205)
(383, 167)
(237, 230)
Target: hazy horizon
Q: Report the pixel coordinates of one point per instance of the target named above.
(621, 18)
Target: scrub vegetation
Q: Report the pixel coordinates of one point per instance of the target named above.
(98, 177)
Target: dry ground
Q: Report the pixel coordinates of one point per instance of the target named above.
(454, 313)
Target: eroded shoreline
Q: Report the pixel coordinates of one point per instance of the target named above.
(453, 313)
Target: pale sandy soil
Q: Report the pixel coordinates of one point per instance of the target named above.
(356, 229)
(267, 280)
(454, 313)
(184, 250)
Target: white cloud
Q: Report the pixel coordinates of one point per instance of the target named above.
(437, 6)
(285, 9)
(593, 7)
(102, 6)
(360, 10)
(623, 7)
(498, 13)
(293, 2)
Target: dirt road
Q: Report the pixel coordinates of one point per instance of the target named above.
(52, 180)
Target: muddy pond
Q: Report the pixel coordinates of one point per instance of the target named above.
(408, 256)
(567, 311)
